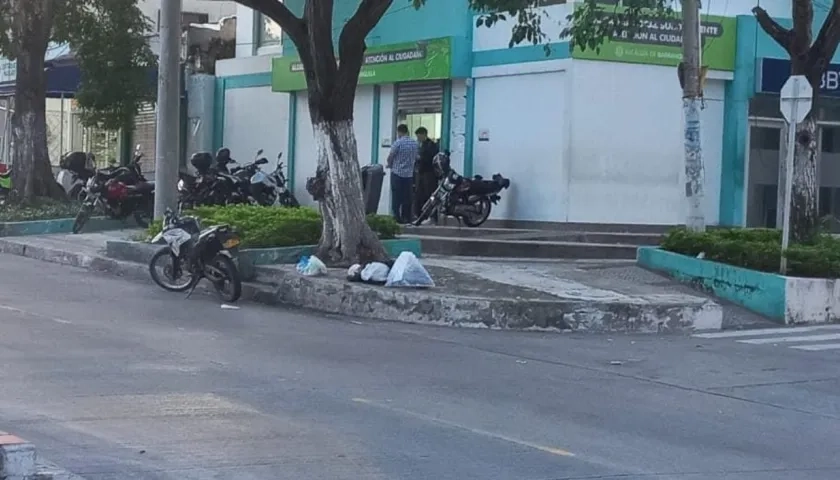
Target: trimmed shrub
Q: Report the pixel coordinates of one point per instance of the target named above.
(758, 249)
(266, 227)
(44, 210)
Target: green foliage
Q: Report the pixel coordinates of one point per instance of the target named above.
(264, 227)
(44, 210)
(589, 25)
(758, 249)
(108, 40)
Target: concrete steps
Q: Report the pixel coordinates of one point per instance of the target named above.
(531, 243)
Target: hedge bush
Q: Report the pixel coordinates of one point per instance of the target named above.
(265, 227)
(758, 249)
(43, 210)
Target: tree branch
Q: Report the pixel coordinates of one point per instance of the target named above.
(780, 34)
(822, 51)
(351, 42)
(293, 26)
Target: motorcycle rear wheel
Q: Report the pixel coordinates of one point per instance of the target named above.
(227, 281)
(477, 220)
(82, 217)
(168, 271)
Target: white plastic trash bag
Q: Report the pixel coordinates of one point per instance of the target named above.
(375, 272)
(354, 273)
(409, 272)
(311, 266)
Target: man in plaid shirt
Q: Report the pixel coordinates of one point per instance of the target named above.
(401, 163)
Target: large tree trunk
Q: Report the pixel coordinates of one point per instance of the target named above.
(32, 175)
(803, 207)
(346, 238)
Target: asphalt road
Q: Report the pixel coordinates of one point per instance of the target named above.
(118, 380)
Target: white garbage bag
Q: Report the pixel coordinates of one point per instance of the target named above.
(311, 267)
(354, 273)
(375, 272)
(409, 272)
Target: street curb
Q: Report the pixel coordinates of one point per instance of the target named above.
(19, 461)
(336, 295)
(59, 225)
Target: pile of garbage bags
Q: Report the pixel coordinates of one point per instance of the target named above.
(407, 271)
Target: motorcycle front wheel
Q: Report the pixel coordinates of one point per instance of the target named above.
(482, 207)
(82, 217)
(225, 277)
(174, 278)
(426, 212)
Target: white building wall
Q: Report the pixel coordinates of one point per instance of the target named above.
(627, 148)
(386, 133)
(524, 137)
(248, 129)
(498, 36)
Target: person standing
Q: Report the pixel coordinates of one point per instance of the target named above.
(425, 181)
(401, 163)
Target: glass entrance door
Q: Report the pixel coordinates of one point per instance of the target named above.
(766, 137)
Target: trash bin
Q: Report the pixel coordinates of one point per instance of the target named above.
(372, 178)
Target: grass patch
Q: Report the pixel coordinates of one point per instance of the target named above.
(758, 249)
(267, 227)
(44, 210)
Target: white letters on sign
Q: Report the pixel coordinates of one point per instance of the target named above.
(830, 80)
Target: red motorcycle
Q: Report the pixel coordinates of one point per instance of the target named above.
(119, 192)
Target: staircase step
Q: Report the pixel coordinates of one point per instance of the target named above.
(481, 247)
(621, 238)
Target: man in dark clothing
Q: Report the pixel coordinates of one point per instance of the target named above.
(425, 181)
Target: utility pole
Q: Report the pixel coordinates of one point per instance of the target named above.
(168, 103)
(690, 70)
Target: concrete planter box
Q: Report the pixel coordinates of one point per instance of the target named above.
(60, 225)
(249, 259)
(786, 300)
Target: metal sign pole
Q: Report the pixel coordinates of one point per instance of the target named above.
(791, 146)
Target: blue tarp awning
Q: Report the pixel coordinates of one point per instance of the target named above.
(63, 78)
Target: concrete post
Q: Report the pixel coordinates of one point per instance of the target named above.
(168, 103)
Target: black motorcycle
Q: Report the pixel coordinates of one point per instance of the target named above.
(192, 254)
(467, 199)
(119, 192)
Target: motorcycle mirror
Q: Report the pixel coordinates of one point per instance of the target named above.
(261, 161)
(279, 155)
(259, 152)
(138, 149)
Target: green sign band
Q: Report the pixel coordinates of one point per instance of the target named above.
(659, 42)
(402, 62)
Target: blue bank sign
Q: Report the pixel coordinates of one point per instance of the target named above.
(775, 72)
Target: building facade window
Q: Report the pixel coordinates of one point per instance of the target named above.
(268, 32)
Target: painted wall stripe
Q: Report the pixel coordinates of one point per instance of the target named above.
(374, 141)
(248, 80)
(530, 53)
(446, 115)
(219, 114)
(469, 121)
(290, 152)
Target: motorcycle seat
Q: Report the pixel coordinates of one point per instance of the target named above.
(143, 187)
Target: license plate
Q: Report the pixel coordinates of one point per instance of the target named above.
(231, 242)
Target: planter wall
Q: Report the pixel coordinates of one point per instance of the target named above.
(788, 300)
(60, 225)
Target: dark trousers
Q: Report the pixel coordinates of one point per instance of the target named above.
(425, 184)
(401, 198)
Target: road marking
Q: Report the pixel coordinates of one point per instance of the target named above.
(484, 433)
(765, 331)
(818, 347)
(9, 308)
(801, 338)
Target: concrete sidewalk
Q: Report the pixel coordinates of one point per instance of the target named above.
(586, 296)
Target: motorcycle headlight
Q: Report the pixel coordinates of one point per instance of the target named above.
(181, 186)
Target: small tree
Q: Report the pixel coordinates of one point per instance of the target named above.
(808, 57)
(108, 40)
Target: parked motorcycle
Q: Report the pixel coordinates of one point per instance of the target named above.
(205, 188)
(119, 192)
(269, 189)
(467, 199)
(76, 170)
(191, 254)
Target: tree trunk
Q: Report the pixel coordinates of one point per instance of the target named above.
(32, 175)
(346, 238)
(804, 209)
